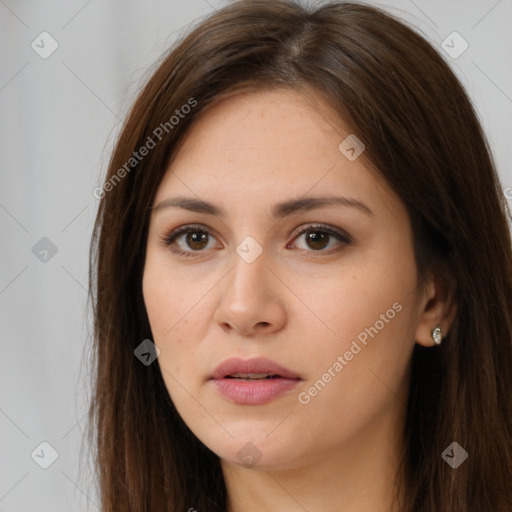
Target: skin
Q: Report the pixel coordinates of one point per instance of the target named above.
(293, 304)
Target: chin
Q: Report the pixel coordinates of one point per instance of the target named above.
(255, 449)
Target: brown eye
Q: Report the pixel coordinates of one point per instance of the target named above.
(317, 240)
(318, 237)
(196, 239)
(192, 240)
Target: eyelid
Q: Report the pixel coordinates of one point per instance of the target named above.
(169, 237)
(336, 232)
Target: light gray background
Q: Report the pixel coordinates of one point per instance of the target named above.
(59, 119)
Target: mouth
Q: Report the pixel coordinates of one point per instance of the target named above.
(252, 376)
(252, 369)
(253, 381)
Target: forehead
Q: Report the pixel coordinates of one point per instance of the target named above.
(268, 145)
(267, 119)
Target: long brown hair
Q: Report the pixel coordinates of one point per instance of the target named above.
(422, 134)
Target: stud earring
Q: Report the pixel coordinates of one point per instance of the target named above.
(437, 336)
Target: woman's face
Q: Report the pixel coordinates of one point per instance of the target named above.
(325, 292)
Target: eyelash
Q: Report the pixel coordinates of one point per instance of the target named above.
(169, 238)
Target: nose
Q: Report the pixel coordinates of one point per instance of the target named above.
(251, 303)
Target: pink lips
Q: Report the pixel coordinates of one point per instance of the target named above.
(231, 379)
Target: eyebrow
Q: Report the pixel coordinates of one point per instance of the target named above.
(282, 209)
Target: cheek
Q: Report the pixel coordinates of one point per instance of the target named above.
(361, 379)
(353, 295)
(167, 294)
(161, 304)
(367, 310)
(176, 312)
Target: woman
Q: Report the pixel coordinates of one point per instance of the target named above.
(301, 274)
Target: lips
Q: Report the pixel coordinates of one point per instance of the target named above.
(253, 381)
(257, 368)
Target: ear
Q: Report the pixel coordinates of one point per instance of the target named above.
(437, 308)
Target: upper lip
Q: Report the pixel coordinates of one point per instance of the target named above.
(255, 365)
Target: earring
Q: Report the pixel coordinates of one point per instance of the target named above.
(436, 334)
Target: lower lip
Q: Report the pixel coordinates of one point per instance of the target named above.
(254, 392)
